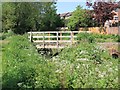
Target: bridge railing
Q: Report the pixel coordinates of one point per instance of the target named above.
(54, 39)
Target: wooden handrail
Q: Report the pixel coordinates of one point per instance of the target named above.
(59, 37)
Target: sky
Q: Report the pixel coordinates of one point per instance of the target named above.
(70, 5)
(63, 7)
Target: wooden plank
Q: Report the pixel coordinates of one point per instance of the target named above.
(67, 36)
(41, 41)
(59, 32)
(45, 36)
(53, 36)
(49, 46)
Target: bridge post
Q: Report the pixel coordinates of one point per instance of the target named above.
(60, 35)
(57, 41)
(30, 36)
(43, 39)
(71, 38)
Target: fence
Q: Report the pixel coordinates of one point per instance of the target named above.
(110, 30)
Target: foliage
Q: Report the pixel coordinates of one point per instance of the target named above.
(92, 37)
(103, 11)
(18, 62)
(79, 18)
(22, 17)
(6, 35)
(87, 66)
(8, 16)
(86, 37)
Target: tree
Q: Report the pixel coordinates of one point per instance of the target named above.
(8, 17)
(103, 10)
(79, 18)
(24, 17)
(50, 17)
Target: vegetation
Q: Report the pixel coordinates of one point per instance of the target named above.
(97, 38)
(23, 17)
(103, 10)
(86, 65)
(74, 67)
(80, 18)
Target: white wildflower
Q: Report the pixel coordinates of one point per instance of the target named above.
(58, 71)
(96, 69)
(101, 75)
(78, 66)
(110, 69)
(116, 69)
(111, 63)
(83, 64)
(104, 73)
(29, 54)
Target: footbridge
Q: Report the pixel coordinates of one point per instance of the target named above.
(62, 39)
(54, 39)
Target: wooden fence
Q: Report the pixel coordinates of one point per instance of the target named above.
(110, 30)
(54, 39)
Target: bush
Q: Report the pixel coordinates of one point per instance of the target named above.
(18, 60)
(92, 37)
(87, 66)
(6, 35)
(85, 37)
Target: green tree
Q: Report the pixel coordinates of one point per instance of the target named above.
(22, 17)
(50, 19)
(8, 16)
(79, 18)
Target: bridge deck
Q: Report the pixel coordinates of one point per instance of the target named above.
(49, 46)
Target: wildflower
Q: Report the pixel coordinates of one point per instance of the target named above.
(29, 54)
(78, 66)
(101, 75)
(110, 69)
(58, 71)
(96, 69)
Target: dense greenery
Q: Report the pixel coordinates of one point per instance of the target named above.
(80, 18)
(85, 65)
(97, 38)
(22, 17)
(18, 61)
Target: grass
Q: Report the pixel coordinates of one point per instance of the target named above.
(85, 65)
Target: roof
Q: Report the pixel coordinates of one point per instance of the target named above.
(66, 14)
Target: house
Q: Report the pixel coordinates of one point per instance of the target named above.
(116, 17)
(65, 15)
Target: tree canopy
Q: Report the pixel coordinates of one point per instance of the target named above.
(79, 18)
(25, 16)
(103, 10)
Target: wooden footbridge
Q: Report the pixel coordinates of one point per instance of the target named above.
(54, 39)
(62, 39)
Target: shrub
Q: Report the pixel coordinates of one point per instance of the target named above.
(6, 35)
(19, 60)
(85, 37)
(87, 66)
(92, 37)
